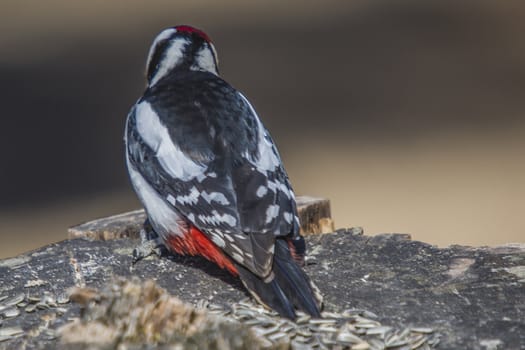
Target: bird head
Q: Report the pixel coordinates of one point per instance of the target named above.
(180, 48)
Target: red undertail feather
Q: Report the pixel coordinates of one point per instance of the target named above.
(194, 242)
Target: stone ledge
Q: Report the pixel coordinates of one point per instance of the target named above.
(474, 297)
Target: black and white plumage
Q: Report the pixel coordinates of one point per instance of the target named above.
(210, 177)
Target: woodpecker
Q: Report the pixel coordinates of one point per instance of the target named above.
(210, 177)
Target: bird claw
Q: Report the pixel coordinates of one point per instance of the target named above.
(150, 244)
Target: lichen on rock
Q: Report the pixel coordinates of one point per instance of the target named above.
(133, 314)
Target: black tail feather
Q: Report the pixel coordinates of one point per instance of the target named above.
(294, 280)
(269, 294)
(288, 289)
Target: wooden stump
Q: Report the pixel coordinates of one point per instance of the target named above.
(314, 216)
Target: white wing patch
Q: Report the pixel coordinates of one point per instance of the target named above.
(261, 191)
(218, 240)
(190, 198)
(156, 136)
(170, 199)
(215, 197)
(237, 257)
(271, 213)
(236, 248)
(215, 219)
(288, 217)
(274, 186)
(241, 236)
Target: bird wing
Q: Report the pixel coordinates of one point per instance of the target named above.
(206, 153)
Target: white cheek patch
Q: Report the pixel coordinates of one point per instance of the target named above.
(156, 136)
(204, 61)
(172, 57)
(164, 35)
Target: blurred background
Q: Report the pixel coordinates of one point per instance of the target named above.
(408, 115)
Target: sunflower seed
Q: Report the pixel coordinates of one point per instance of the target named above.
(394, 341)
(63, 298)
(42, 306)
(255, 322)
(327, 329)
(245, 303)
(15, 300)
(60, 311)
(418, 341)
(301, 339)
(424, 330)
(11, 331)
(346, 337)
(212, 306)
(361, 346)
(277, 336)
(267, 331)
(369, 314)
(265, 343)
(317, 321)
(49, 300)
(246, 312)
(381, 330)
(326, 314)
(434, 341)
(30, 308)
(303, 319)
(304, 332)
(299, 345)
(353, 328)
(328, 341)
(11, 312)
(366, 325)
(404, 333)
(33, 299)
(49, 333)
(377, 344)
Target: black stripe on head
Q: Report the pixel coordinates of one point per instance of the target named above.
(181, 47)
(198, 40)
(159, 51)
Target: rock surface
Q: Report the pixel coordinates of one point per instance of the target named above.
(474, 297)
